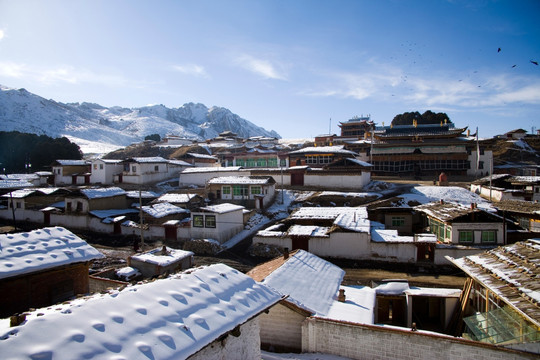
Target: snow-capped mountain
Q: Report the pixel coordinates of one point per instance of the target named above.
(23, 111)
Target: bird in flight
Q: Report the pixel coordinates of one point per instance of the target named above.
(534, 62)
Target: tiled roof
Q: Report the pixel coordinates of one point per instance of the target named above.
(512, 273)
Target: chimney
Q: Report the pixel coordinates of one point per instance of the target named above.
(285, 253)
(341, 296)
(441, 201)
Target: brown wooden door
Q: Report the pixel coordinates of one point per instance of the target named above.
(300, 242)
(170, 233)
(297, 179)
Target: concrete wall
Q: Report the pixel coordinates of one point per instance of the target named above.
(341, 245)
(372, 342)
(227, 225)
(200, 178)
(281, 329)
(245, 346)
(394, 252)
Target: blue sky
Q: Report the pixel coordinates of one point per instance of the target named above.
(289, 65)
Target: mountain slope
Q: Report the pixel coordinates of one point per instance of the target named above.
(23, 111)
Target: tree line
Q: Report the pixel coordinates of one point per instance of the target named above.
(22, 152)
(428, 117)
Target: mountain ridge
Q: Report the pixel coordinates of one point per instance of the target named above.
(23, 111)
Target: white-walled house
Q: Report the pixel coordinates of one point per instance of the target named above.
(218, 222)
(250, 191)
(463, 225)
(71, 172)
(199, 176)
(209, 313)
(146, 170)
(104, 171)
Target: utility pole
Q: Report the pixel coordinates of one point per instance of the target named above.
(141, 219)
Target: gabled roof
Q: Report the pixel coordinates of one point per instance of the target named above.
(43, 249)
(171, 318)
(349, 218)
(308, 281)
(512, 273)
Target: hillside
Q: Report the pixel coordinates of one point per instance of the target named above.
(506, 151)
(88, 124)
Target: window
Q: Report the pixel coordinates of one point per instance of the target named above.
(210, 221)
(398, 220)
(198, 221)
(261, 162)
(240, 162)
(480, 164)
(156, 168)
(250, 163)
(100, 166)
(448, 232)
(272, 162)
(95, 166)
(311, 159)
(466, 236)
(256, 190)
(489, 236)
(282, 162)
(133, 168)
(240, 190)
(226, 190)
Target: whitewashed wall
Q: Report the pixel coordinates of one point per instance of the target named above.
(394, 252)
(200, 178)
(342, 245)
(245, 346)
(376, 342)
(281, 329)
(227, 225)
(342, 181)
(477, 228)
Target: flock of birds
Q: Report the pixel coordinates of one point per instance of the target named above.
(532, 61)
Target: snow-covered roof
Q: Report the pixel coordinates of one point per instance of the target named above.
(20, 194)
(171, 318)
(96, 193)
(163, 209)
(157, 257)
(38, 250)
(176, 198)
(511, 272)
(107, 161)
(308, 230)
(222, 208)
(71, 162)
(445, 211)
(359, 162)
(201, 156)
(392, 288)
(337, 149)
(211, 169)
(179, 163)
(309, 281)
(102, 214)
(150, 159)
(455, 194)
(14, 184)
(349, 218)
(143, 194)
(245, 180)
(388, 235)
(359, 306)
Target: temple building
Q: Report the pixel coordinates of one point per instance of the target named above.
(423, 150)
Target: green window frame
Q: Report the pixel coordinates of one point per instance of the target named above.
(448, 232)
(240, 190)
(261, 162)
(489, 236)
(210, 221)
(250, 163)
(198, 221)
(226, 190)
(256, 190)
(240, 162)
(398, 220)
(272, 162)
(466, 236)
